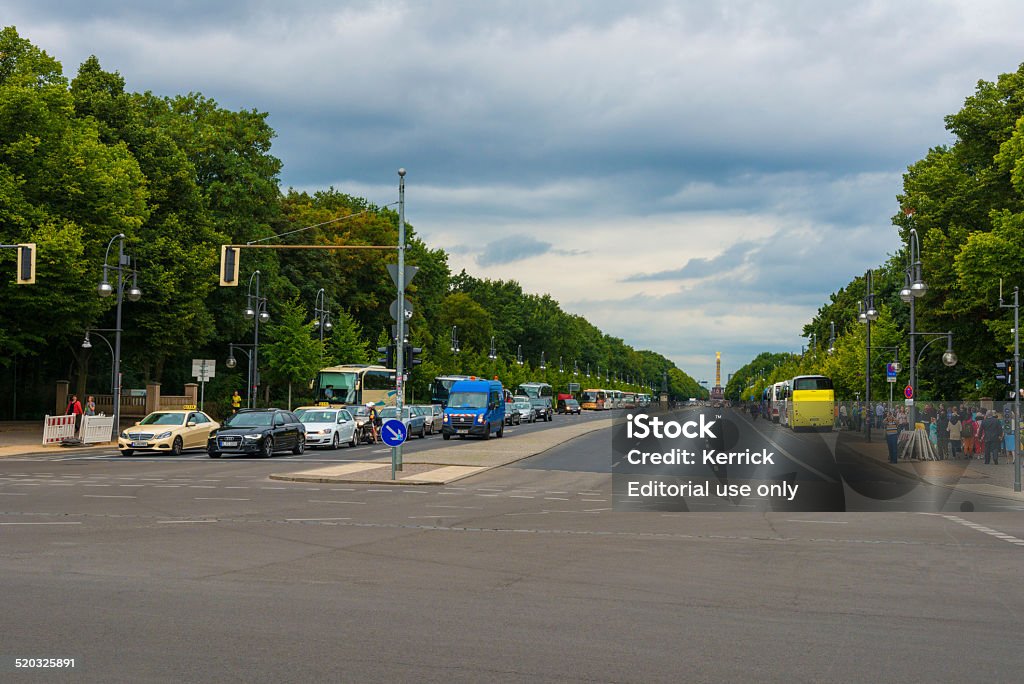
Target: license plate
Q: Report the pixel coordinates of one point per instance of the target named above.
(462, 431)
(140, 445)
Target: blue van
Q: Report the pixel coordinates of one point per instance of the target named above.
(475, 407)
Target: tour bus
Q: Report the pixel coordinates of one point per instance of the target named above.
(778, 396)
(441, 386)
(628, 400)
(541, 395)
(592, 400)
(643, 400)
(355, 384)
(811, 402)
(613, 399)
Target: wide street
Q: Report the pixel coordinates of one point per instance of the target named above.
(154, 568)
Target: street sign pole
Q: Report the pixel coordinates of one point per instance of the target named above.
(396, 451)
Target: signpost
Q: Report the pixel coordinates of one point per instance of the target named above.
(203, 370)
(393, 432)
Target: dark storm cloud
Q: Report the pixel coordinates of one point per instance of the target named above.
(511, 249)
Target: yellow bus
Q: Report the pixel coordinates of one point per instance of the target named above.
(811, 402)
(355, 384)
(593, 400)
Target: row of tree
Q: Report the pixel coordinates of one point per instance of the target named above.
(85, 160)
(965, 201)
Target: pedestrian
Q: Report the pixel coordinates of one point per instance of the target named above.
(933, 433)
(90, 406)
(942, 431)
(967, 430)
(992, 431)
(979, 435)
(879, 414)
(955, 435)
(1010, 432)
(374, 420)
(844, 418)
(75, 408)
(903, 419)
(892, 434)
(236, 402)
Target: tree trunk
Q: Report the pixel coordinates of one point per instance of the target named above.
(289, 395)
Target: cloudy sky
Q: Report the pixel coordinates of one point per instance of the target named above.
(690, 176)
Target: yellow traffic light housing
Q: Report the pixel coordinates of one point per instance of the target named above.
(229, 265)
(26, 274)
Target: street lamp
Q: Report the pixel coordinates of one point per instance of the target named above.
(105, 289)
(232, 362)
(493, 354)
(256, 311)
(575, 368)
(542, 366)
(87, 344)
(832, 337)
(561, 369)
(455, 339)
(868, 313)
(322, 320)
(519, 355)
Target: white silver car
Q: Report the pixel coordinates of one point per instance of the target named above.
(329, 427)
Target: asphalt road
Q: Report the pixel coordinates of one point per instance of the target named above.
(160, 569)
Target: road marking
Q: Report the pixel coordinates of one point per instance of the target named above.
(520, 496)
(554, 498)
(109, 496)
(986, 530)
(822, 522)
(13, 494)
(312, 519)
(218, 498)
(592, 500)
(176, 522)
(477, 508)
(790, 456)
(230, 487)
(430, 517)
(331, 501)
(40, 523)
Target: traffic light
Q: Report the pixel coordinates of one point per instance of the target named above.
(410, 356)
(388, 360)
(26, 274)
(1005, 369)
(229, 265)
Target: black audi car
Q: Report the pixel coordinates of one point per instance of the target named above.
(258, 432)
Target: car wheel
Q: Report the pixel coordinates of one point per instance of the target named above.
(213, 454)
(353, 442)
(127, 452)
(300, 447)
(487, 432)
(501, 431)
(176, 446)
(268, 447)
(445, 436)
(423, 432)
(336, 441)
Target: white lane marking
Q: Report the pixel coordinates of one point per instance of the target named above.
(488, 489)
(477, 508)
(520, 496)
(555, 498)
(40, 523)
(790, 456)
(235, 487)
(158, 486)
(108, 496)
(430, 517)
(601, 500)
(13, 494)
(312, 519)
(177, 522)
(218, 498)
(201, 487)
(341, 502)
(986, 530)
(822, 522)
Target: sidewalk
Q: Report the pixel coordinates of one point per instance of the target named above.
(965, 476)
(461, 459)
(24, 437)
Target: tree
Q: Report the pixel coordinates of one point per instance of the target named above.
(346, 343)
(293, 354)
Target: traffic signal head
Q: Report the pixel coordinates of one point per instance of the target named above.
(26, 274)
(411, 356)
(1005, 371)
(388, 360)
(229, 266)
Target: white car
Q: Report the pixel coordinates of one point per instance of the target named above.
(328, 427)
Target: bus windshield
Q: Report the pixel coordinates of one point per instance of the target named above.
(471, 400)
(812, 384)
(337, 386)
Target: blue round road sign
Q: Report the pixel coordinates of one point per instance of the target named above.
(393, 432)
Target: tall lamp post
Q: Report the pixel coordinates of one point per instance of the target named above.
(913, 289)
(1016, 381)
(322, 320)
(455, 339)
(519, 355)
(543, 366)
(493, 353)
(832, 337)
(232, 362)
(867, 314)
(256, 311)
(87, 344)
(105, 289)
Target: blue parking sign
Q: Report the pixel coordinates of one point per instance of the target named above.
(890, 372)
(393, 432)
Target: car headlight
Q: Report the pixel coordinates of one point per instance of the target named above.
(124, 435)
(163, 435)
(480, 419)
(445, 418)
(213, 433)
(252, 437)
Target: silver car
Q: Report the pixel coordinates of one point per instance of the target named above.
(433, 416)
(415, 423)
(527, 413)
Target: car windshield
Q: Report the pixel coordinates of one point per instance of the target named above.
(313, 416)
(521, 405)
(392, 412)
(240, 420)
(163, 419)
(571, 402)
(470, 400)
